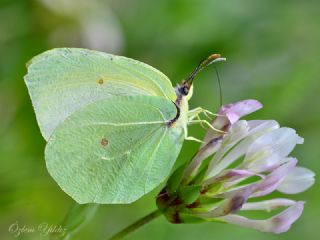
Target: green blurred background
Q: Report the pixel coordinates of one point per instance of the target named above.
(273, 56)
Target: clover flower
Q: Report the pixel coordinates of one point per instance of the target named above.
(233, 168)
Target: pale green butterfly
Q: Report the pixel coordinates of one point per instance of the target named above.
(114, 125)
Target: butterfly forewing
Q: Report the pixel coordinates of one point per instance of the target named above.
(62, 80)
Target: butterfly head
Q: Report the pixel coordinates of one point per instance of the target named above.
(185, 88)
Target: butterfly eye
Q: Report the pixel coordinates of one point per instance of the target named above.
(184, 90)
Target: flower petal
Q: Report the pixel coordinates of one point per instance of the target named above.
(229, 114)
(298, 180)
(231, 177)
(266, 151)
(235, 111)
(204, 152)
(262, 126)
(276, 224)
(267, 184)
(273, 180)
(236, 133)
(268, 205)
(244, 131)
(238, 173)
(229, 205)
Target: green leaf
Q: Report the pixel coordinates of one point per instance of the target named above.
(189, 194)
(175, 179)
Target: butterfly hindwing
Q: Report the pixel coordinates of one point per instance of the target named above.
(114, 150)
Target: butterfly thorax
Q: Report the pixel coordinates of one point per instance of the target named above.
(183, 93)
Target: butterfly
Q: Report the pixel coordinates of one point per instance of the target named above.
(114, 126)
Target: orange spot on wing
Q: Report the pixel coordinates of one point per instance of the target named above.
(100, 81)
(104, 142)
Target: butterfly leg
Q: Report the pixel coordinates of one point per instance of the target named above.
(193, 139)
(186, 137)
(201, 121)
(197, 117)
(194, 113)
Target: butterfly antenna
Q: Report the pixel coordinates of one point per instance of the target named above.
(220, 86)
(213, 58)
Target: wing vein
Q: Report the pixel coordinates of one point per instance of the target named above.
(145, 76)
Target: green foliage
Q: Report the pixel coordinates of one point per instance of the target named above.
(189, 194)
(175, 179)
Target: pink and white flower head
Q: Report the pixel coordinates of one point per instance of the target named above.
(231, 169)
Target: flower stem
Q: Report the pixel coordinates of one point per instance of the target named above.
(139, 223)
